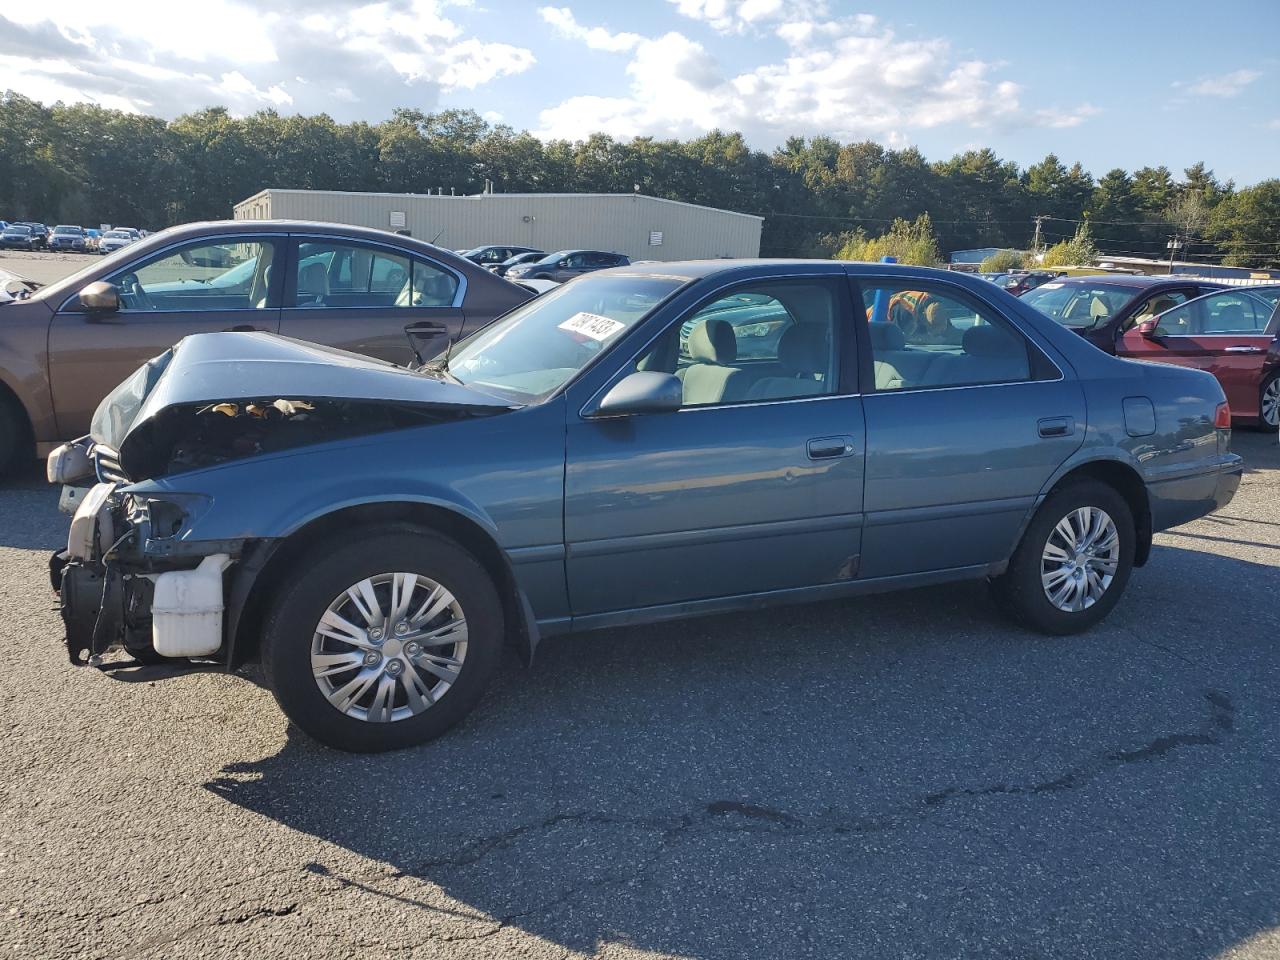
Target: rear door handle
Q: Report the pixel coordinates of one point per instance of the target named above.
(1056, 426)
(831, 448)
(426, 328)
(1242, 349)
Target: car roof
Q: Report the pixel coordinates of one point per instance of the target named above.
(1129, 280)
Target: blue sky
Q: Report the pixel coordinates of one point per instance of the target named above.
(1115, 84)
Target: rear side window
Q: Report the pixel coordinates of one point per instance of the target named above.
(339, 274)
(922, 339)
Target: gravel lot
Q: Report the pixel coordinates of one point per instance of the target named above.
(45, 267)
(901, 776)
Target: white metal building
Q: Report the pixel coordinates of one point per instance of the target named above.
(644, 228)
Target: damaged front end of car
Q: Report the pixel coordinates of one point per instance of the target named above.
(138, 574)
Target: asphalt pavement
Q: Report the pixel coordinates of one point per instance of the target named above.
(896, 776)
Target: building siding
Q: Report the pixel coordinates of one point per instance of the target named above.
(620, 223)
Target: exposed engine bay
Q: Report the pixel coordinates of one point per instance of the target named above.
(191, 436)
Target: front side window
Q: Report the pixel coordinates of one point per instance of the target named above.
(207, 275)
(536, 348)
(767, 341)
(338, 274)
(922, 338)
(1155, 305)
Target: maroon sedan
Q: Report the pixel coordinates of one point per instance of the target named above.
(1233, 334)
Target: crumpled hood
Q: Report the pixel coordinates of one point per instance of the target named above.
(218, 368)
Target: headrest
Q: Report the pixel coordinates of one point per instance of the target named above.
(313, 276)
(886, 336)
(802, 348)
(986, 340)
(713, 341)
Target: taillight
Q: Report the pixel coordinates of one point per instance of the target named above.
(1222, 416)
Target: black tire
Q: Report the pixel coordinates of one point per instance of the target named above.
(1020, 592)
(289, 630)
(13, 436)
(1263, 423)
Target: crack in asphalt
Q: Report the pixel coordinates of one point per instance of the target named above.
(1220, 723)
(718, 816)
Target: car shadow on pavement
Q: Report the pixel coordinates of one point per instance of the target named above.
(902, 775)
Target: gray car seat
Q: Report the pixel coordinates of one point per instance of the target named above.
(710, 378)
(804, 356)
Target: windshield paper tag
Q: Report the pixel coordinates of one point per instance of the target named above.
(592, 325)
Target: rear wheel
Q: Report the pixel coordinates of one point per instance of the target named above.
(1073, 562)
(1269, 403)
(385, 643)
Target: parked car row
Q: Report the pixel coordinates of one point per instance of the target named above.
(526, 263)
(65, 238)
(1018, 282)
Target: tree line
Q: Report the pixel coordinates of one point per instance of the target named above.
(81, 163)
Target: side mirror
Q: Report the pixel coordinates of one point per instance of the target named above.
(100, 297)
(1150, 330)
(645, 391)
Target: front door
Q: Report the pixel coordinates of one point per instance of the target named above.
(967, 420)
(204, 286)
(376, 300)
(1225, 333)
(754, 485)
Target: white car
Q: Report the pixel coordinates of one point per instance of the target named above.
(113, 240)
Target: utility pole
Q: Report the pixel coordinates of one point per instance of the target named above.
(1035, 243)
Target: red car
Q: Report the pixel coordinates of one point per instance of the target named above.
(1231, 333)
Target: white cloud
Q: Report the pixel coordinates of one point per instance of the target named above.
(354, 61)
(1222, 85)
(848, 78)
(597, 38)
(237, 85)
(735, 16)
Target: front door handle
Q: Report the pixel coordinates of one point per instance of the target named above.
(1242, 349)
(831, 448)
(1056, 426)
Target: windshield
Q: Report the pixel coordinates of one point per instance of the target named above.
(17, 229)
(1080, 305)
(534, 350)
(117, 235)
(66, 230)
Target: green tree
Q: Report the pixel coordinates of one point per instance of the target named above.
(1247, 226)
(912, 243)
(1002, 261)
(1079, 251)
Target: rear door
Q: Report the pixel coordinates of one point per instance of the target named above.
(370, 298)
(202, 286)
(967, 419)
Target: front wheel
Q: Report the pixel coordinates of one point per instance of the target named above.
(1269, 403)
(386, 643)
(1073, 562)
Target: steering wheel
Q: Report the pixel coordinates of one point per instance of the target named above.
(132, 295)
